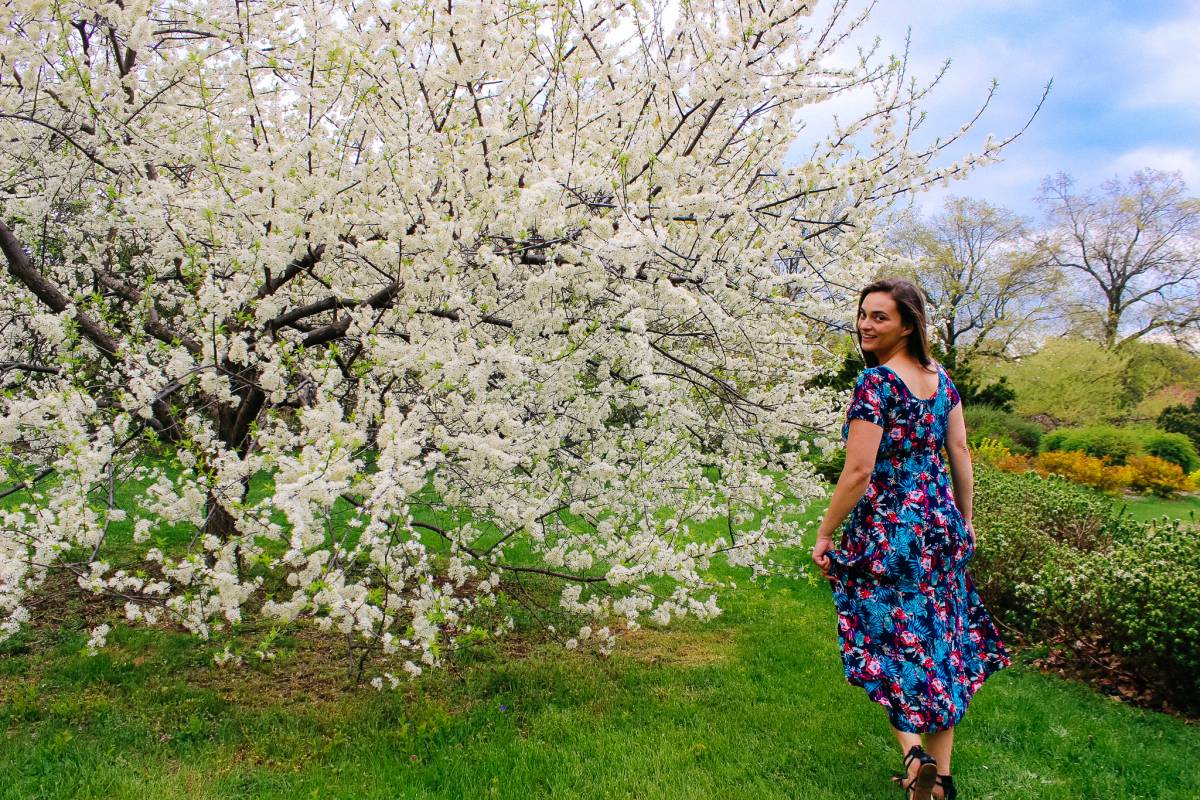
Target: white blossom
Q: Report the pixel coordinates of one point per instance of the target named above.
(372, 308)
(97, 639)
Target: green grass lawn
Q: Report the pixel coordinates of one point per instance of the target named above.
(750, 706)
(1147, 508)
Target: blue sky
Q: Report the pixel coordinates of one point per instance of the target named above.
(1126, 89)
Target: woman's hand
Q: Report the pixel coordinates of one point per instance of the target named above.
(820, 554)
(971, 531)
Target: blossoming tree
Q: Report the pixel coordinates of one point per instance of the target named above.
(502, 275)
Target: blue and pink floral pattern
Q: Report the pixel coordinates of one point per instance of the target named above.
(913, 631)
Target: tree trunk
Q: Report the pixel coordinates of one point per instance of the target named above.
(233, 428)
(1112, 325)
(950, 357)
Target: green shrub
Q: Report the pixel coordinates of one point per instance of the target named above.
(988, 422)
(1098, 441)
(970, 383)
(1067, 512)
(1149, 591)
(830, 467)
(1141, 596)
(1174, 447)
(1053, 441)
(1059, 560)
(1020, 519)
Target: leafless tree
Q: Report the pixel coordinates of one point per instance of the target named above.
(1133, 249)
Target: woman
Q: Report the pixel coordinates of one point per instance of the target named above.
(912, 629)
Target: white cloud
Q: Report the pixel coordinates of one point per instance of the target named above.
(1126, 87)
(939, 28)
(1183, 160)
(1166, 60)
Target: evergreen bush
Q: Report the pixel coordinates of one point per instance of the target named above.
(1182, 419)
(1174, 447)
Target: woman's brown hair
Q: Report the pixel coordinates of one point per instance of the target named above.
(911, 302)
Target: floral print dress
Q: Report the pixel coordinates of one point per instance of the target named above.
(913, 631)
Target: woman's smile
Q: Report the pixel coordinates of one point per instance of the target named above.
(880, 327)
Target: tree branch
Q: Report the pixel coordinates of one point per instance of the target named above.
(21, 268)
(6, 366)
(153, 324)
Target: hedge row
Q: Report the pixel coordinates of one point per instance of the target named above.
(1118, 445)
(1144, 474)
(1060, 561)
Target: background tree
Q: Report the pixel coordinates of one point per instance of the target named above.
(985, 290)
(1131, 247)
(1130, 385)
(1157, 375)
(499, 277)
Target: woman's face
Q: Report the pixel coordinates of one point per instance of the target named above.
(880, 328)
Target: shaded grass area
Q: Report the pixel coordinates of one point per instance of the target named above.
(752, 705)
(179, 539)
(1144, 509)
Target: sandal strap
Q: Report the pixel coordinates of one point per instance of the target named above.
(916, 752)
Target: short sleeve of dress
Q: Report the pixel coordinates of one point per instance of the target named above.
(951, 390)
(867, 401)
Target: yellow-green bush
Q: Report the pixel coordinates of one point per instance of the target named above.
(987, 422)
(996, 453)
(1153, 474)
(991, 450)
(1082, 468)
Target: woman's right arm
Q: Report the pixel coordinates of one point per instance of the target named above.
(862, 445)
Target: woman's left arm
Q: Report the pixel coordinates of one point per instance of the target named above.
(962, 476)
(862, 445)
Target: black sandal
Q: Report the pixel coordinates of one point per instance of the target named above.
(921, 785)
(949, 790)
